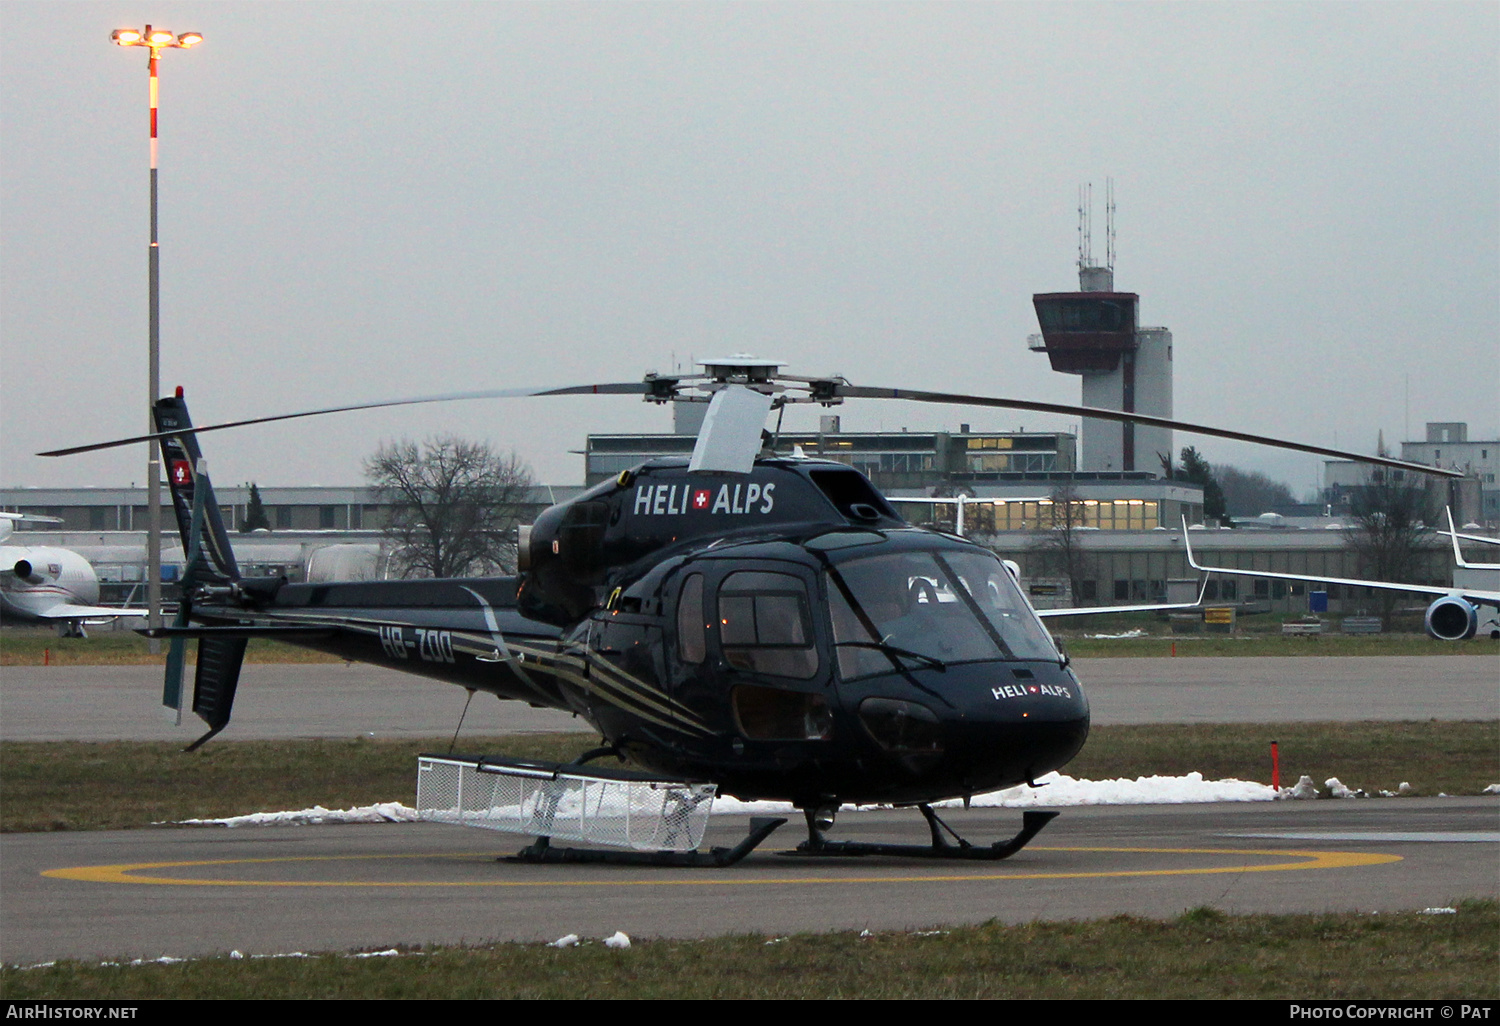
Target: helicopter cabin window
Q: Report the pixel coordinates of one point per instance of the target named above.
(924, 610)
(764, 625)
(691, 627)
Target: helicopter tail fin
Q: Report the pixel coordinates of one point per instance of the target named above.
(187, 478)
(210, 561)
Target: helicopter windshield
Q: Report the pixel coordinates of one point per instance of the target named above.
(930, 608)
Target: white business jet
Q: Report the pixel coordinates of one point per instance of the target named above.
(40, 583)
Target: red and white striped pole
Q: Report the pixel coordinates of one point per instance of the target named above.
(154, 53)
(153, 389)
(155, 40)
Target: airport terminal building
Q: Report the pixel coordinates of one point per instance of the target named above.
(1127, 531)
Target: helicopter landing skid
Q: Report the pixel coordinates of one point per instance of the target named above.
(542, 851)
(1032, 823)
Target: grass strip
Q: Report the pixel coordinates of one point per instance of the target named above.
(38, 646)
(1435, 757)
(1204, 953)
(115, 785)
(68, 785)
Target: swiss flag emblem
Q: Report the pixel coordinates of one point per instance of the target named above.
(700, 499)
(181, 473)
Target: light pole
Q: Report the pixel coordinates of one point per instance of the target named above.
(156, 40)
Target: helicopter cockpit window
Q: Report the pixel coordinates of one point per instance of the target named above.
(764, 625)
(691, 630)
(912, 609)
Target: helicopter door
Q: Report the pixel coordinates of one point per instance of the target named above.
(769, 654)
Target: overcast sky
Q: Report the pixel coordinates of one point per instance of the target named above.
(364, 200)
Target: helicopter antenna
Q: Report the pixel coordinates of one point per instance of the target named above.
(461, 716)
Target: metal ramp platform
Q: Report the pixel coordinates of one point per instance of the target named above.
(618, 808)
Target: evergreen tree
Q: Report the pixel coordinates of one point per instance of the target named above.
(1197, 470)
(255, 513)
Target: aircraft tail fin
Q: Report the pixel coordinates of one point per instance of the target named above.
(219, 663)
(186, 478)
(210, 561)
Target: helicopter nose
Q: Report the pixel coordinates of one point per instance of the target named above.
(1017, 722)
(987, 725)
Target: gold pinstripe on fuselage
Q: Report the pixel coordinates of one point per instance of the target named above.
(576, 666)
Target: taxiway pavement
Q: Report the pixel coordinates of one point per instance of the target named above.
(289, 700)
(206, 891)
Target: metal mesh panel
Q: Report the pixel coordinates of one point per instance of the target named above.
(646, 815)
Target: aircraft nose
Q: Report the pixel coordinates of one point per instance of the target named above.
(989, 725)
(1019, 722)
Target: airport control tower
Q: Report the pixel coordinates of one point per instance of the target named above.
(1094, 333)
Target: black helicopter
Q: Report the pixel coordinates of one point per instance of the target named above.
(767, 623)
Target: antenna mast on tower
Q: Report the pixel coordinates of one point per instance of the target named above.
(1085, 225)
(1109, 224)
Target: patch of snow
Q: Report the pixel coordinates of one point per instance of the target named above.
(382, 812)
(565, 941)
(1054, 790)
(1057, 789)
(388, 953)
(1492, 789)
(1136, 633)
(1305, 789)
(1439, 912)
(617, 940)
(1060, 789)
(1338, 789)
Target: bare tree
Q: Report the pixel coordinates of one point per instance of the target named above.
(453, 505)
(1057, 547)
(1390, 540)
(1249, 493)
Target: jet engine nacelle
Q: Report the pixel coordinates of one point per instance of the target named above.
(1452, 619)
(26, 572)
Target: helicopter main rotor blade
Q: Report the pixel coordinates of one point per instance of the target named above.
(610, 388)
(955, 399)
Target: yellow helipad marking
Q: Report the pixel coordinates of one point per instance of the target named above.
(140, 872)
